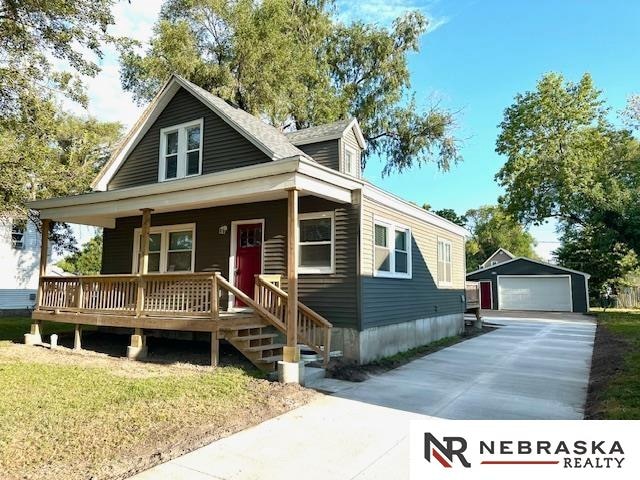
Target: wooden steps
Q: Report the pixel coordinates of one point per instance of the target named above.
(255, 339)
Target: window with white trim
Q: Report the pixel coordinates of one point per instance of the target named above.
(18, 230)
(171, 249)
(391, 250)
(444, 262)
(350, 162)
(181, 151)
(316, 242)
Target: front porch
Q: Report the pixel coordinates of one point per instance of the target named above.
(182, 302)
(200, 297)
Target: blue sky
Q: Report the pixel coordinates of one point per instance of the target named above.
(476, 57)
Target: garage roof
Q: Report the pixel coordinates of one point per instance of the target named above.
(500, 265)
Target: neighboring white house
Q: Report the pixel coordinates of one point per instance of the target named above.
(19, 261)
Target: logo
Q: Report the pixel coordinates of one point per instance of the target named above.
(455, 447)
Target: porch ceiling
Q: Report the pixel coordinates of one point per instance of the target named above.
(256, 183)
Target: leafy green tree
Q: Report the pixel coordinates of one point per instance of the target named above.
(491, 228)
(293, 63)
(33, 33)
(565, 160)
(87, 261)
(51, 154)
(631, 114)
(452, 216)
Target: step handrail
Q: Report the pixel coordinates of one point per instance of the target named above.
(247, 300)
(308, 319)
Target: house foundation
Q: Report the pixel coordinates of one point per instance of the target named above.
(378, 342)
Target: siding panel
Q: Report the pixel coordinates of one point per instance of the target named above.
(325, 153)
(390, 300)
(223, 148)
(333, 296)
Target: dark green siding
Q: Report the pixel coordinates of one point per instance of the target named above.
(523, 266)
(334, 296)
(325, 153)
(223, 148)
(387, 301)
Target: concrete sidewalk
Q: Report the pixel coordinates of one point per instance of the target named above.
(330, 438)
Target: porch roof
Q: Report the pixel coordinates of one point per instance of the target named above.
(268, 181)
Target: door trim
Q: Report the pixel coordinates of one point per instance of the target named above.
(233, 247)
(490, 292)
(538, 276)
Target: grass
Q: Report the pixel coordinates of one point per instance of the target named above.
(73, 416)
(619, 396)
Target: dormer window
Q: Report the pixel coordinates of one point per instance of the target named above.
(350, 162)
(181, 151)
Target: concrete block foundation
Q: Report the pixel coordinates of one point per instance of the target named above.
(383, 341)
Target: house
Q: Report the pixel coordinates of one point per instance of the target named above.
(19, 257)
(525, 284)
(499, 256)
(269, 225)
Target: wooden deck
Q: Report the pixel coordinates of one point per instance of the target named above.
(183, 302)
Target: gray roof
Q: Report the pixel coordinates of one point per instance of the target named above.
(266, 135)
(311, 134)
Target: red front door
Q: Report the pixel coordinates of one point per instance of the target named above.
(485, 295)
(248, 257)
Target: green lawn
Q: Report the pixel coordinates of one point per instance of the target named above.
(619, 397)
(77, 416)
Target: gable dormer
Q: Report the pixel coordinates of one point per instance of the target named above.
(337, 145)
(187, 132)
(499, 256)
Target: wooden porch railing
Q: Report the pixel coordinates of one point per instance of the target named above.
(313, 329)
(472, 294)
(192, 295)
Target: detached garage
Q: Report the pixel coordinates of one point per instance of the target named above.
(525, 284)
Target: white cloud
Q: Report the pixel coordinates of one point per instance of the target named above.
(384, 12)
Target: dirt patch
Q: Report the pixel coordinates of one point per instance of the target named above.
(609, 351)
(352, 372)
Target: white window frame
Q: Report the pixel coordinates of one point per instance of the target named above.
(318, 270)
(444, 241)
(356, 161)
(21, 243)
(164, 230)
(181, 171)
(391, 246)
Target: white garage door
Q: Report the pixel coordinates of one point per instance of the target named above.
(552, 294)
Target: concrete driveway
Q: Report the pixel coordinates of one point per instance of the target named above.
(526, 369)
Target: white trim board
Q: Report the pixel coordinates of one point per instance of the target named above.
(233, 248)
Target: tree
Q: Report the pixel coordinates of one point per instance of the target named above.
(87, 261)
(595, 249)
(491, 228)
(631, 114)
(565, 160)
(452, 216)
(52, 154)
(34, 33)
(292, 62)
